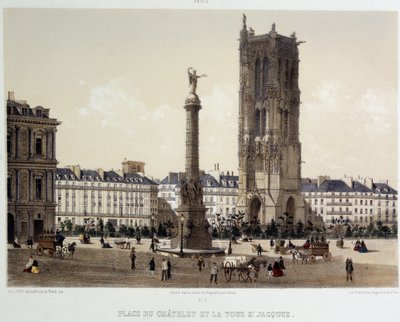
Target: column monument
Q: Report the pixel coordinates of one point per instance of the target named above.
(193, 235)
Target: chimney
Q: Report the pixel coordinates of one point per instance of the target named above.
(348, 180)
(369, 183)
(76, 169)
(101, 173)
(11, 96)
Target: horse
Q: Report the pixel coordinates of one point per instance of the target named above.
(69, 250)
(254, 266)
(297, 255)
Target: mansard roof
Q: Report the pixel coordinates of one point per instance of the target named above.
(359, 187)
(383, 188)
(136, 178)
(341, 186)
(90, 175)
(208, 180)
(65, 174)
(172, 178)
(226, 180)
(309, 187)
(334, 186)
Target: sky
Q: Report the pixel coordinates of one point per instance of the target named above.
(117, 80)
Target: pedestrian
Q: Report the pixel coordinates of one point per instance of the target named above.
(349, 269)
(28, 266)
(169, 265)
(102, 241)
(214, 273)
(271, 243)
(35, 267)
(152, 267)
(128, 243)
(133, 258)
(16, 243)
(269, 270)
(29, 242)
(200, 263)
(259, 250)
(164, 269)
(282, 264)
(152, 246)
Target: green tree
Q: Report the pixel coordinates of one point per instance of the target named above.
(123, 230)
(131, 232)
(145, 231)
(394, 230)
(299, 229)
(68, 226)
(109, 228)
(100, 226)
(349, 232)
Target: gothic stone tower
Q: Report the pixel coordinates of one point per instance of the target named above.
(269, 147)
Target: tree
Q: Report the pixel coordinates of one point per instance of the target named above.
(161, 231)
(100, 226)
(109, 228)
(394, 230)
(68, 225)
(123, 230)
(78, 229)
(274, 229)
(299, 229)
(349, 232)
(145, 231)
(131, 232)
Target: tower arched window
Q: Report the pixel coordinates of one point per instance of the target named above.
(257, 126)
(258, 79)
(265, 75)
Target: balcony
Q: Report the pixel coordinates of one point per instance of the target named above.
(339, 213)
(340, 204)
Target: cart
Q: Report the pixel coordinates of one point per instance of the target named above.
(320, 249)
(238, 265)
(46, 242)
(280, 247)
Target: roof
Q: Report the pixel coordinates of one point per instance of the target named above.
(65, 174)
(359, 187)
(383, 188)
(341, 186)
(109, 176)
(334, 186)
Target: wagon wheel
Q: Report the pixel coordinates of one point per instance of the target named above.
(313, 258)
(228, 271)
(39, 250)
(327, 256)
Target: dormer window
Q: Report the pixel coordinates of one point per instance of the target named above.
(24, 111)
(72, 177)
(58, 177)
(209, 183)
(90, 178)
(39, 113)
(66, 176)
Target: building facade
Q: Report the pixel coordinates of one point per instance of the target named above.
(122, 197)
(269, 146)
(361, 201)
(31, 168)
(219, 192)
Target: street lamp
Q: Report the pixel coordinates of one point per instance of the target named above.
(230, 235)
(182, 220)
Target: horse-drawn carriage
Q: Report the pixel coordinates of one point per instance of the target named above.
(46, 242)
(238, 265)
(280, 247)
(318, 249)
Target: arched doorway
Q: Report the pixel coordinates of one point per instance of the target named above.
(10, 228)
(255, 207)
(291, 208)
